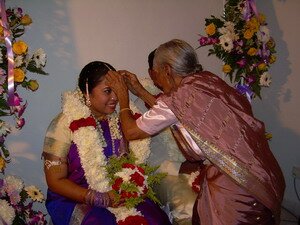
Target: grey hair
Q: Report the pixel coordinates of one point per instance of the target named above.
(179, 55)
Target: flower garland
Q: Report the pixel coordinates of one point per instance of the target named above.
(86, 137)
(241, 39)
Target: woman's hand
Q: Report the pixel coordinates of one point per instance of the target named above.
(132, 82)
(117, 83)
(113, 198)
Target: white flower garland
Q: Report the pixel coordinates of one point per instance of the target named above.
(87, 140)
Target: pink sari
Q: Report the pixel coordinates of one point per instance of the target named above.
(244, 183)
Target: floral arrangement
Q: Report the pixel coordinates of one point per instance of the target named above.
(132, 183)
(241, 39)
(15, 63)
(16, 202)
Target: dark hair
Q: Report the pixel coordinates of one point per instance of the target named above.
(151, 58)
(93, 73)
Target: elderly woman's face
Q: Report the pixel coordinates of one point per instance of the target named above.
(160, 79)
(103, 99)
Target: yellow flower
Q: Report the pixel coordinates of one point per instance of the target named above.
(26, 20)
(252, 24)
(262, 66)
(271, 43)
(210, 29)
(272, 59)
(20, 47)
(268, 136)
(248, 34)
(261, 18)
(252, 51)
(33, 85)
(226, 68)
(2, 164)
(1, 31)
(19, 75)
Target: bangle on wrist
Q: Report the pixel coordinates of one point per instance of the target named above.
(125, 109)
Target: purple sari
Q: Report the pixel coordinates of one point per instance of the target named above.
(65, 211)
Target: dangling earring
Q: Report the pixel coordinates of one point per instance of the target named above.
(87, 97)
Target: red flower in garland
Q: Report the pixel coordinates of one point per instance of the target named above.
(133, 220)
(137, 178)
(196, 184)
(83, 122)
(116, 186)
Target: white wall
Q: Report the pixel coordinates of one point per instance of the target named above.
(123, 32)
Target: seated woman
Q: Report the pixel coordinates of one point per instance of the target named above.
(77, 145)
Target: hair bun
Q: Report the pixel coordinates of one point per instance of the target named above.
(198, 68)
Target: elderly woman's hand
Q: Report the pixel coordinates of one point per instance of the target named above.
(132, 82)
(117, 83)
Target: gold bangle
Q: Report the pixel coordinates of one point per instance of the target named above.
(125, 109)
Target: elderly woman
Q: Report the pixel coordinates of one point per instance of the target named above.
(241, 182)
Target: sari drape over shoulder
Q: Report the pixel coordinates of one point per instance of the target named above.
(221, 122)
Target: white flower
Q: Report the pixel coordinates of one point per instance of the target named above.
(1, 57)
(7, 213)
(265, 79)
(125, 174)
(18, 61)
(263, 34)
(192, 177)
(122, 213)
(39, 58)
(4, 128)
(226, 42)
(228, 31)
(34, 193)
(13, 184)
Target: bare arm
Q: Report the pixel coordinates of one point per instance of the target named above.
(56, 170)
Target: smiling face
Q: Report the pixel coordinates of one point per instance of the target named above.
(103, 99)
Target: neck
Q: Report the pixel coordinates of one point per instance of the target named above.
(98, 116)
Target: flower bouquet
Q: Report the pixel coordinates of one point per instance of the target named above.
(241, 39)
(132, 183)
(16, 203)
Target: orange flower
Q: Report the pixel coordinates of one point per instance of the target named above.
(272, 59)
(20, 47)
(210, 29)
(248, 34)
(26, 20)
(2, 164)
(19, 75)
(252, 51)
(226, 68)
(262, 66)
